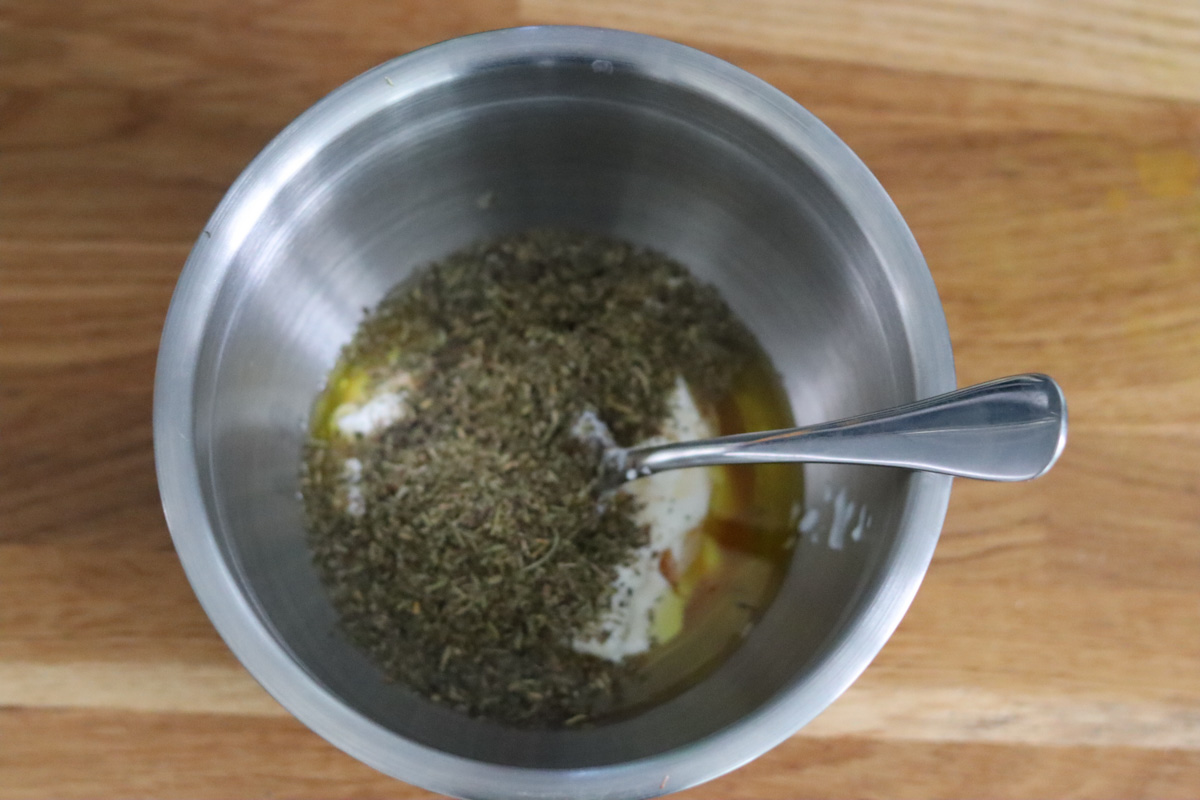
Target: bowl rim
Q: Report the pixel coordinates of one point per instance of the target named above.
(213, 577)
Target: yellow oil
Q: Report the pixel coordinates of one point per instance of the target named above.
(347, 383)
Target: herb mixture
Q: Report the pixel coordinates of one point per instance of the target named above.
(481, 543)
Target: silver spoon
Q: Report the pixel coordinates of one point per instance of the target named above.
(1012, 429)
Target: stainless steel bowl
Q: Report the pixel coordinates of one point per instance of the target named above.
(595, 129)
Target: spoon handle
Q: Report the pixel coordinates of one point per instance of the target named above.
(1012, 429)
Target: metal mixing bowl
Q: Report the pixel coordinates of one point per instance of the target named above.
(593, 129)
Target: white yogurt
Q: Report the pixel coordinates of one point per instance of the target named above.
(386, 405)
(356, 504)
(673, 504)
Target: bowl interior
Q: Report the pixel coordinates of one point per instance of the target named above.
(587, 147)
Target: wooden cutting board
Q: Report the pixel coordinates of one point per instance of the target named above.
(1047, 157)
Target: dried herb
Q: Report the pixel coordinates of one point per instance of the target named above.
(483, 548)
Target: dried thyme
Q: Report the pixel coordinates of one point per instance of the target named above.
(481, 548)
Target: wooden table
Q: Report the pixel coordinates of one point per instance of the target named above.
(1047, 156)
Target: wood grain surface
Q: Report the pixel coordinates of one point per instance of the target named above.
(1047, 157)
